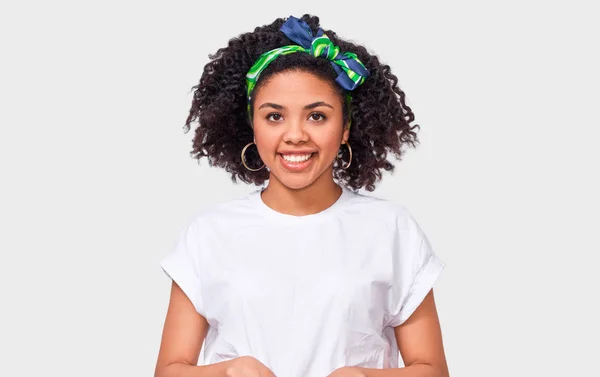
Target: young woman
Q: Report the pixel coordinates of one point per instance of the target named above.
(305, 277)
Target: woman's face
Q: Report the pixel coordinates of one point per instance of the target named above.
(298, 127)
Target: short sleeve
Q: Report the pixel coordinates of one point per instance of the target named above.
(182, 265)
(416, 267)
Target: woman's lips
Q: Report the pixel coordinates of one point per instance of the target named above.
(296, 166)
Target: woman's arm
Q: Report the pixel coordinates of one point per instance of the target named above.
(183, 334)
(419, 340)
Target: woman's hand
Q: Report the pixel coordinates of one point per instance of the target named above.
(347, 372)
(247, 366)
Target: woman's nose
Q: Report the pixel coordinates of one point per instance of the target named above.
(295, 131)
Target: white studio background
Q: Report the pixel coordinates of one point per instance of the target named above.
(97, 179)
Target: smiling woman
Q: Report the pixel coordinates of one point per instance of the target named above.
(298, 138)
(224, 100)
(305, 277)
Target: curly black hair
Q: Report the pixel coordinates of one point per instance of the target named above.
(379, 114)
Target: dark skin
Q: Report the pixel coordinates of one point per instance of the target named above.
(297, 111)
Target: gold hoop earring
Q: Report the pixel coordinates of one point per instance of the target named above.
(350, 152)
(244, 159)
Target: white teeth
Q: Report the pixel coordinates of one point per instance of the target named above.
(296, 158)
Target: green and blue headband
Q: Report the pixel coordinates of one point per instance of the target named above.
(351, 71)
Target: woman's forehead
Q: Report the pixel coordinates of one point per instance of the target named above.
(296, 88)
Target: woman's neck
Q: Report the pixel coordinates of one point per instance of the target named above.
(308, 200)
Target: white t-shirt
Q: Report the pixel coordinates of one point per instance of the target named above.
(305, 295)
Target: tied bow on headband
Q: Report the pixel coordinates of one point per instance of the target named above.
(351, 71)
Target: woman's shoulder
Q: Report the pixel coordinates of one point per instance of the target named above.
(377, 212)
(228, 210)
(384, 214)
(376, 205)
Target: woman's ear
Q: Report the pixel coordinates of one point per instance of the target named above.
(345, 135)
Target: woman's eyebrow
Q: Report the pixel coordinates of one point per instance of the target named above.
(307, 107)
(317, 104)
(273, 105)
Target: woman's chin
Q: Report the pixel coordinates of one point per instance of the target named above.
(296, 183)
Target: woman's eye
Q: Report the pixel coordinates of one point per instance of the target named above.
(317, 116)
(274, 117)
